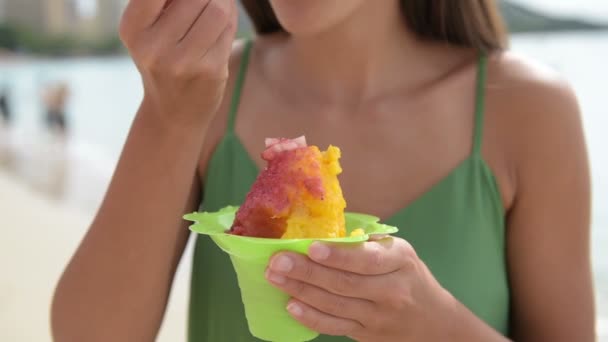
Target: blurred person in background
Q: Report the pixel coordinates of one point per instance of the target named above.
(55, 98)
(476, 154)
(6, 118)
(5, 109)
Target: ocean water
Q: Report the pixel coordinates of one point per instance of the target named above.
(596, 10)
(105, 94)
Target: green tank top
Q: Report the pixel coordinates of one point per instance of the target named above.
(457, 228)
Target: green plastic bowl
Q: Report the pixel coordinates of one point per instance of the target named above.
(264, 304)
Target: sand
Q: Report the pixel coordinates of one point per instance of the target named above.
(41, 224)
(38, 237)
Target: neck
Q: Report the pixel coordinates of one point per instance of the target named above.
(368, 54)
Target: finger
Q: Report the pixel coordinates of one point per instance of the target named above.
(378, 237)
(167, 4)
(216, 59)
(208, 30)
(324, 301)
(322, 322)
(369, 258)
(141, 14)
(177, 19)
(299, 267)
(224, 44)
(222, 49)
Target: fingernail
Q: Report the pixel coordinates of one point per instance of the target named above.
(319, 251)
(282, 264)
(295, 309)
(378, 237)
(275, 278)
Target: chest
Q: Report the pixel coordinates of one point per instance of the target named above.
(404, 142)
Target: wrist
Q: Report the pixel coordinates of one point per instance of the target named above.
(164, 127)
(184, 118)
(463, 325)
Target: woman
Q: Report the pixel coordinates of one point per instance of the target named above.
(55, 100)
(475, 153)
(5, 109)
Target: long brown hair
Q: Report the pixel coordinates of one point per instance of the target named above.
(472, 23)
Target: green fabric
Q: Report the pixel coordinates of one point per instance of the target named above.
(457, 227)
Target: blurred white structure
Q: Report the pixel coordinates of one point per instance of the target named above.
(64, 16)
(106, 19)
(50, 16)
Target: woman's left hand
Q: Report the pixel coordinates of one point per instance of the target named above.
(375, 291)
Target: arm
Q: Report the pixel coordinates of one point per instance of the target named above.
(536, 122)
(548, 233)
(116, 285)
(548, 226)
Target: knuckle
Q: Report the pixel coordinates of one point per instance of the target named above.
(149, 58)
(218, 12)
(400, 300)
(345, 283)
(308, 271)
(150, 62)
(124, 26)
(124, 33)
(406, 249)
(212, 70)
(396, 305)
(186, 71)
(315, 323)
(182, 70)
(231, 26)
(300, 288)
(407, 255)
(409, 264)
(127, 37)
(343, 258)
(337, 306)
(376, 258)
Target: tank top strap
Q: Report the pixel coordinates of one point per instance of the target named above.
(238, 87)
(480, 103)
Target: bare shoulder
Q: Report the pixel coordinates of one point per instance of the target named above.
(530, 101)
(529, 90)
(535, 113)
(218, 126)
(533, 118)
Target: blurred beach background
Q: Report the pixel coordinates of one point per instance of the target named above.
(51, 183)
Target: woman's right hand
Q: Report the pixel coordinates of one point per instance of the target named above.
(182, 49)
